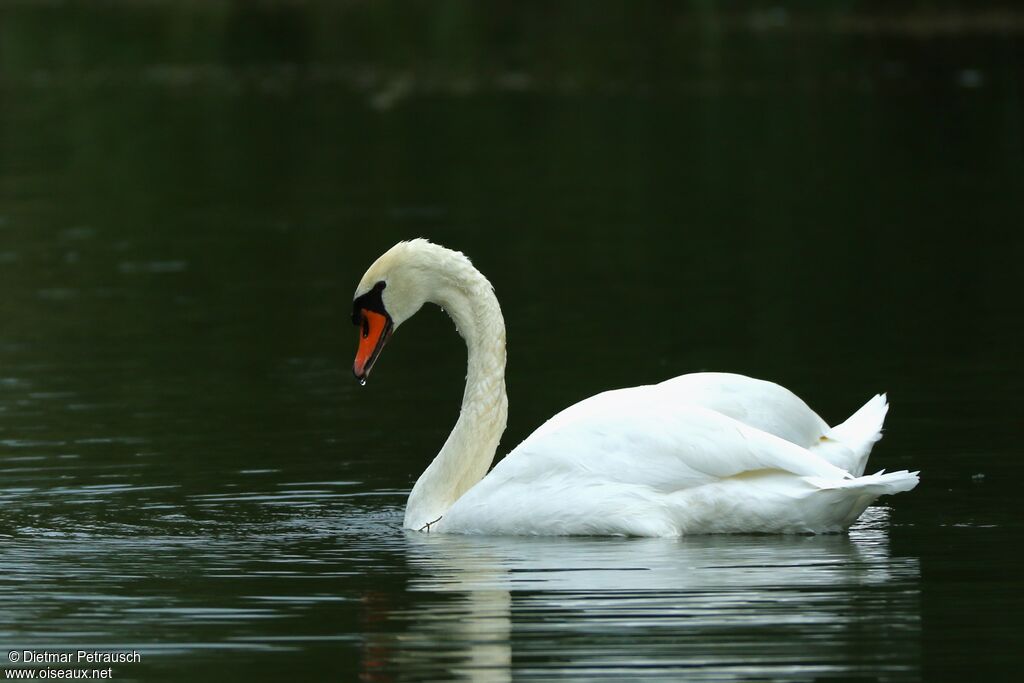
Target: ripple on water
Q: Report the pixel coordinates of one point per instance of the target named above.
(302, 564)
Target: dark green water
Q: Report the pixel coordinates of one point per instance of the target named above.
(828, 198)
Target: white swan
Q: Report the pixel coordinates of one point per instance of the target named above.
(701, 453)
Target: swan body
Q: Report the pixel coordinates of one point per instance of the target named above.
(700, 453)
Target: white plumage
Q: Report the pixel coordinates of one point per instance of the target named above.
(700, 453)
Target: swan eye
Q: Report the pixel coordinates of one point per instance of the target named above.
(366, 327)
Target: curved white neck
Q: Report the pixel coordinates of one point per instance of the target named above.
(466, 295)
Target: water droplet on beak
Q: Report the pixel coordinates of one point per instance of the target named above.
(362, 381)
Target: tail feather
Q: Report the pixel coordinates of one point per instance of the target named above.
(843, 500)
(879, 484)
(861, 430)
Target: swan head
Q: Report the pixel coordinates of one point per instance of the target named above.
(393, 289)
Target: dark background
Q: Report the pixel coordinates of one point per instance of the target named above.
(827, 195)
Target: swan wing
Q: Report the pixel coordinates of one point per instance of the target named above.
(623, 466)
(777, 410)
(763, 405)
(633, 435)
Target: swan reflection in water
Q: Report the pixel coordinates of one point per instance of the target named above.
(699, 608)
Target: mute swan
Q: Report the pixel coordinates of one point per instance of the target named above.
(700, 453)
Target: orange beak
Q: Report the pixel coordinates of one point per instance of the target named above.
(374, 331)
